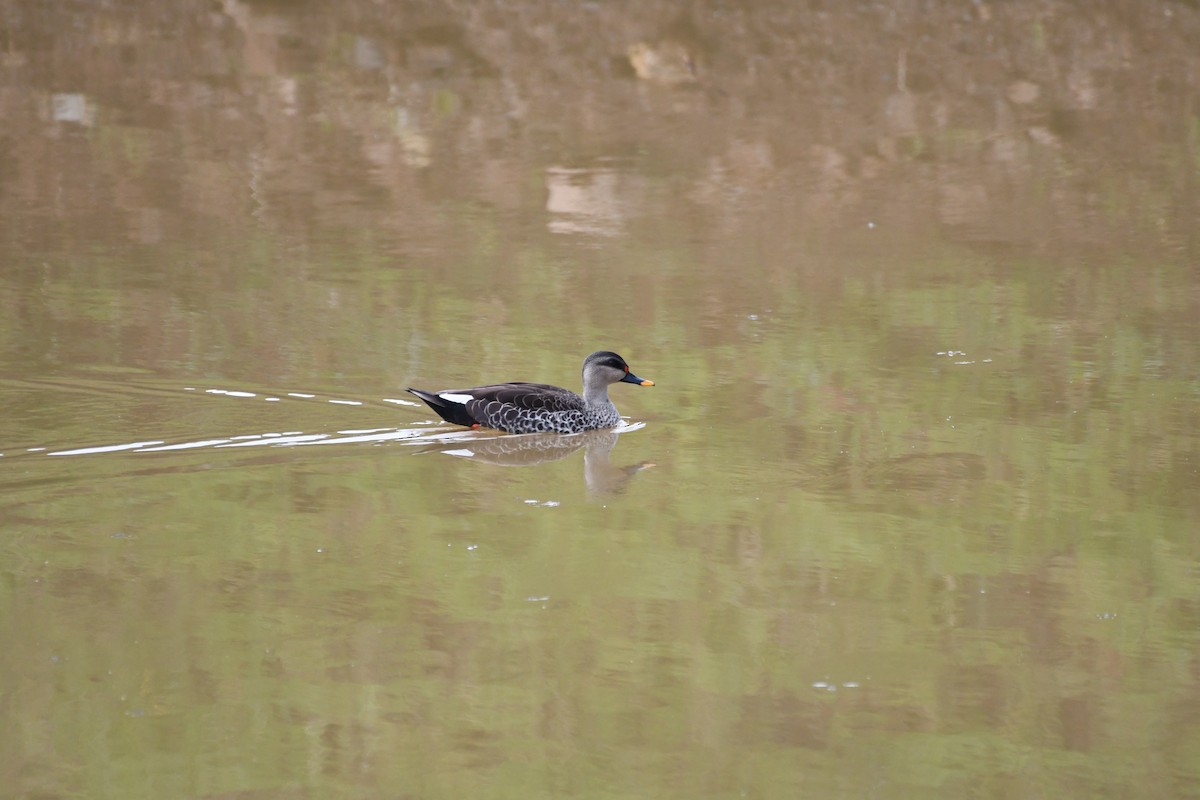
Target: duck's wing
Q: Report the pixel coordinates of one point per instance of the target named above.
(517, 407)
(525, 396)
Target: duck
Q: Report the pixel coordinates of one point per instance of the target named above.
(520, 407)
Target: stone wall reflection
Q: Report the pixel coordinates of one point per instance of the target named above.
(1022, 122)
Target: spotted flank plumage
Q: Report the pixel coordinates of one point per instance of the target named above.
(538, 407)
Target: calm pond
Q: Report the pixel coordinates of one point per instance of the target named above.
(911, 511)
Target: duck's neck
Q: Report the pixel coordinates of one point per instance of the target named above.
(596, 395)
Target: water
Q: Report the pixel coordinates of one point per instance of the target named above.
(911, 510)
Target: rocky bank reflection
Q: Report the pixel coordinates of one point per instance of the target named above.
(999, 122)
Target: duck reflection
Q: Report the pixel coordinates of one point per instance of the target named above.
(601, 476)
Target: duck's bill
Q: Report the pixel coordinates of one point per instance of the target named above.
(631, 378)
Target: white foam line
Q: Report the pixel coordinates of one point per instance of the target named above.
(241, 394)
(112, 448)
(346, 402)
(278, 442)
(300, 394)
(375, 437)
(184, 446)
(400, 402)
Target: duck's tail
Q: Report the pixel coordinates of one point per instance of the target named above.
(446, 409)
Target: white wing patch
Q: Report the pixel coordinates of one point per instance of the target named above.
(456, 398)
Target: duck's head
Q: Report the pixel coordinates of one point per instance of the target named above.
(604, 367)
